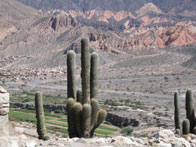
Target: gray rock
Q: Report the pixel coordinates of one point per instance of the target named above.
(184, 142)
(82, 140)
(13, 143)
(2, 90)
(138, 140)
(164, 134)
(162, 144)
(31, 143)
(177, 144)
(124, 141)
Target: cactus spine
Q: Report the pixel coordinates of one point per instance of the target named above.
(185, 127)
(94, 76)
(41, 127)
(176, 112)
(71, 84)
(84, 115)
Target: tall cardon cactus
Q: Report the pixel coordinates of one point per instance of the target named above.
(176, 112)
(190, 115)
(84, 114)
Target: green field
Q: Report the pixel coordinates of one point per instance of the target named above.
(29, 96)
(57, 123)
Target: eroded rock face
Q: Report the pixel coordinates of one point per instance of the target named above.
(4, 109)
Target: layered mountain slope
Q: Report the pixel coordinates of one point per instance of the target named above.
(14, 10)
(14, 15)
(42, 39)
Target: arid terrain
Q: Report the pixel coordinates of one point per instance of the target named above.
(140, 87)
(145, 55)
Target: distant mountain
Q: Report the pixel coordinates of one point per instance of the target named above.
(86, 5)
(30, 38)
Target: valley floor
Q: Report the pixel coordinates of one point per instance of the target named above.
(139, 87)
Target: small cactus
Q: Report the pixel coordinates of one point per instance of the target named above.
(185, 127)
(176, 112)
(41, 127)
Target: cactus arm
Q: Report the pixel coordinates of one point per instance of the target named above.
(95, 109)
(71, 84)
(101, 116)
(85, 71)
(86, 120)
(185, 127)
(77, 108)
(94, 76)
(70, 118)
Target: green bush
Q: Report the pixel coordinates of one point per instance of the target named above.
(126, 131)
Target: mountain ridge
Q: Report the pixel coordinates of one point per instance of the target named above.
(55, 32)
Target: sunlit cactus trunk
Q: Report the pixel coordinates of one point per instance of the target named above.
(190, 115)
(176, 112)
(71, 84)
(41, 127)
(94, 76)
(85, 71)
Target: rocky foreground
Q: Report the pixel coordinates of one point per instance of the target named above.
(162, 138)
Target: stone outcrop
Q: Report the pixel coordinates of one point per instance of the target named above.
(4, 109)
(121, 121)
(60, 21)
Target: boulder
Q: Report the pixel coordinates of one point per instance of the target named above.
(124, 141)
